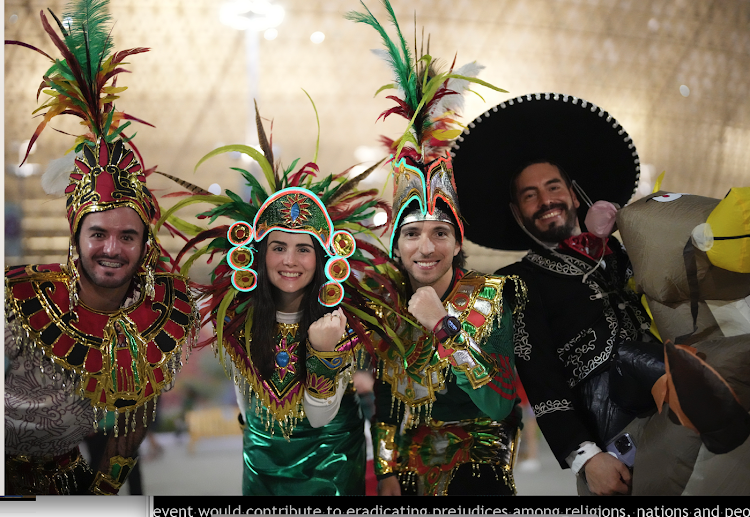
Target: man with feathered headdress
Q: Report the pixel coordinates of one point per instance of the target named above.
(101, 335)
(445, 407)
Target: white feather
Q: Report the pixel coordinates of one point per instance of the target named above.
(57, 176)
(386, 56)
(455, 103)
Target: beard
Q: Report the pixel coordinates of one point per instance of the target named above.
(124, 275)
(556, 232)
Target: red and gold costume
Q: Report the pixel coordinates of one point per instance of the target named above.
(71, 365)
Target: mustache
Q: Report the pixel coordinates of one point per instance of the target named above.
(546, 208)
(103, 256)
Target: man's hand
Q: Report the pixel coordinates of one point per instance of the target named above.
(426, 306)
(325, 333)
(606, 475)
(389, 486)
(600, 219)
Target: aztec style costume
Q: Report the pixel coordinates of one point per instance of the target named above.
(586, 349)
(303, 431)
(455, 399)
(70, 364)
(444, 404)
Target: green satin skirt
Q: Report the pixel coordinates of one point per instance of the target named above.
(329, 460)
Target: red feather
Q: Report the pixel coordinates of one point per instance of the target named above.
(208, 234)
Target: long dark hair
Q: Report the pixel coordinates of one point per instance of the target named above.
(264, 313)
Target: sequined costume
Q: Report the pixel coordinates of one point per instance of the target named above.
(73, 364)
(445, 403)
(303, 430)
(456, 401)
(68, 368)
(301, 458)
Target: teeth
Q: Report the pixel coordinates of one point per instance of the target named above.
(426, 264)
(551, 214)
(106, 263)
(290, 275)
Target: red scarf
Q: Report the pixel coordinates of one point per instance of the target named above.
(587, 244)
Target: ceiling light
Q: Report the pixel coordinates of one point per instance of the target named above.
(255, 15)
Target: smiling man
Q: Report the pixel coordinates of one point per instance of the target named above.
(545, 203)
(99, 335)
(99, 338)
(452, 385)
(567, 346)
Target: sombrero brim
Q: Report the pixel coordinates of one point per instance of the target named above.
(586, 141)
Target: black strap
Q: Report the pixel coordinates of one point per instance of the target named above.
(691, 269)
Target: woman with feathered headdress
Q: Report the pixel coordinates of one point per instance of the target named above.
(273, 300)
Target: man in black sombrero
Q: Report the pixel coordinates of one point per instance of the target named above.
(584, 346)
(580, 312)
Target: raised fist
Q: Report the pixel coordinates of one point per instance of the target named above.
(425, 305)
(325, 333)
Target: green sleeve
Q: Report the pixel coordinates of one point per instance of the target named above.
(497, 397)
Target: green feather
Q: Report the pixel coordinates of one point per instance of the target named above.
(400, 59)
(88, 36)
(258, 193)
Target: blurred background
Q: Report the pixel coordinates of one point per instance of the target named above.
(674, 73)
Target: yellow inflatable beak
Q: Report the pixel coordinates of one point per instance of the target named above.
(730, 226)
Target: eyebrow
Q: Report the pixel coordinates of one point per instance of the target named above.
(129, 231)
(283, 243)
(546, 183)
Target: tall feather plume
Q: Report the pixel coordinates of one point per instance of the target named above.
(89, 35)
(83, 82)
(192, 188)
(265, 146)
(429, 101)
(348, 186)
(455, 103)
(399, 56)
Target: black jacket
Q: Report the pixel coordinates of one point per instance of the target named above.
(564, 340)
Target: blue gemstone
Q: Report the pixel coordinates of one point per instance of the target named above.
(282, 359)
(294, 212)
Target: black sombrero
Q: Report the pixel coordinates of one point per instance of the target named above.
(586, 141)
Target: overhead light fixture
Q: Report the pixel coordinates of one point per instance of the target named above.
(254, 15)
(317, 37)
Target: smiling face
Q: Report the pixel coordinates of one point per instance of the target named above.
(111, 248)
(426, 250)
(546, 204)
(290, 267)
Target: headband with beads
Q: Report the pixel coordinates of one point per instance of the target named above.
(292, 210)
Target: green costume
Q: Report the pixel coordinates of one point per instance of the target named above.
(460, 394)
(301, 459)
(303, 433)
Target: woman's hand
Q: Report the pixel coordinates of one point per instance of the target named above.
(326, 333)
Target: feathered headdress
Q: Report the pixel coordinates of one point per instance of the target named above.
(102, 173)
(430, 100)
(84, 82)
(331, 210)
